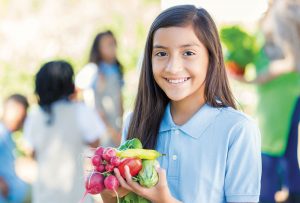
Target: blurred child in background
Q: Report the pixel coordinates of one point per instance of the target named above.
(278, 106)
(12, 188)
(58, 132)
(279, 101)
(101, 81)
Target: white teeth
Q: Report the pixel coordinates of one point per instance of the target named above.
(177, 81)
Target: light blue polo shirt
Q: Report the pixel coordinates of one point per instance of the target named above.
(213, 158)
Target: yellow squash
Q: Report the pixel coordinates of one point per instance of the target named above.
(139, 153)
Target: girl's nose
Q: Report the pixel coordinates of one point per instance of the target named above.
(174, 65)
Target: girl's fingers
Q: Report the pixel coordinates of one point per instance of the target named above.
(134, 185)
(121, 180)
(162, 176)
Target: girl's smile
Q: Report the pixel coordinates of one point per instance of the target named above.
(178, 80)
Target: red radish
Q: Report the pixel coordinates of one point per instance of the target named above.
(115, 161)
(109, 167)
(109, 153)
(94, 183)
(96, 160)
(99, 151)
(111, 182)
(100, 168)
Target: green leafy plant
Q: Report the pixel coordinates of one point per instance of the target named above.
(243, 48)
(240, 46)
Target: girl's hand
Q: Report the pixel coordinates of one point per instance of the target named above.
(158, 194)
(109, 196)
(121, 192)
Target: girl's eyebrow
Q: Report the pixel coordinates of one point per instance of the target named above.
(190, 45)
(182, 46)
(159, 47)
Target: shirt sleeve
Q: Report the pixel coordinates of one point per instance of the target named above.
(86, 77)
(243, 167)
(90, 123)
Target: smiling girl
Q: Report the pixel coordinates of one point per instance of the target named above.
(185, 109)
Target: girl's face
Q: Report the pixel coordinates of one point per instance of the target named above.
(179, 63)
(107, 48)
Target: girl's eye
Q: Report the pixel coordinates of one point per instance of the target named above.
(161, 54)
(188, 53)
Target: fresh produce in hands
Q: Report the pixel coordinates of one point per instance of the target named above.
(99, 151)
(115, 161)
(139, 153)
(94, 183)
(141, 163)
(131, 144)
(111, 183)
(134, 164)
(148, 176)
(108, 154)
(100, 168)
(96, 160)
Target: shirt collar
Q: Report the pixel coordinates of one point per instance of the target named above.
(196, 125)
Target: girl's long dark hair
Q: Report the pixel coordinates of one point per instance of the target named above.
(151, 101)
(96, 55)
(53, 82)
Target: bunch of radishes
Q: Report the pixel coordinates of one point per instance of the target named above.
(104, 161)
(131, 154)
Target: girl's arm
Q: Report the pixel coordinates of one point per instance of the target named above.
(276, 69)
(160, 193)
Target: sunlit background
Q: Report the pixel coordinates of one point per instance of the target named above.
(35, 31)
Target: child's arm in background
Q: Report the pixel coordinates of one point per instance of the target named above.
(94, 144)
(3, 188)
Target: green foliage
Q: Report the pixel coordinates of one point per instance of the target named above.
(243, 48)
(14, 80)
(240, 45)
